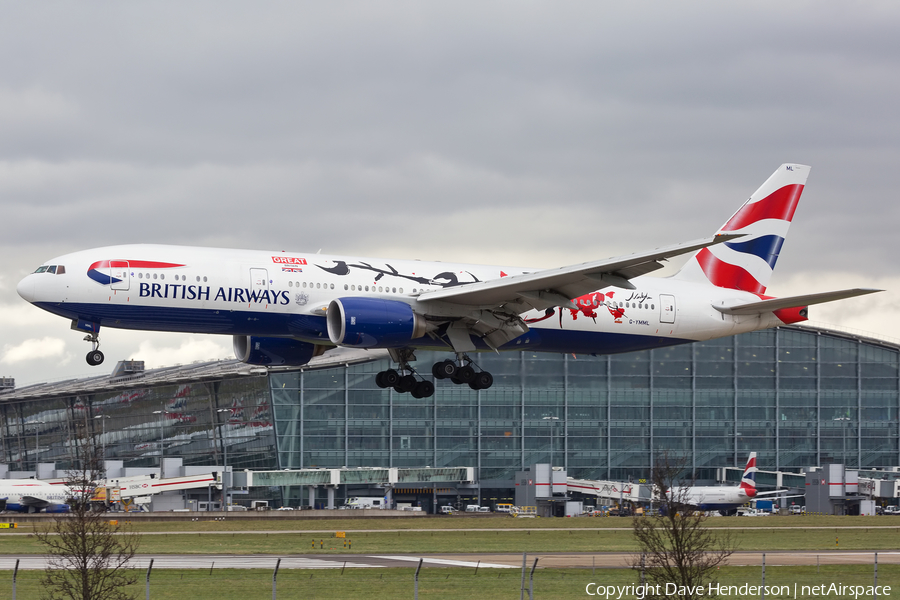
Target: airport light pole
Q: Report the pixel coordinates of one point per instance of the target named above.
(37, 443)
(552, 421)
(162, 448)
(224, 461)
(103, 419)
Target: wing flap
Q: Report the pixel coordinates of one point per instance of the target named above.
(773, 304)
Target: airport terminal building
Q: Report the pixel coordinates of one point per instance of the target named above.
(799, 396)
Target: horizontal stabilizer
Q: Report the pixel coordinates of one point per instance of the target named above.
(773, 304)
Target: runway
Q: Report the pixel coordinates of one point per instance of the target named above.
(556, 560)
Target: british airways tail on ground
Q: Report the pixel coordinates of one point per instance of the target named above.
(285, 308)
(726, 500)
(723, 499)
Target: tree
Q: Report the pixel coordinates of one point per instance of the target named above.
(89, 556)
(676, 546)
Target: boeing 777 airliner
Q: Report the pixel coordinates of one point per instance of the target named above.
(284, 308)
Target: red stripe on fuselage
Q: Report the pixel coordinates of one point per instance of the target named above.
(138, 264)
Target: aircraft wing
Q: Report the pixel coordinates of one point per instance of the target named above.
(758, 494)
(38, 503)
(753, 308)
(556, 287)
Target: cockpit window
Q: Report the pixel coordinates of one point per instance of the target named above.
(58, 269)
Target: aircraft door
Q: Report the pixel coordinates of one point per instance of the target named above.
(119, 275)
(259, 280)
(666, 308)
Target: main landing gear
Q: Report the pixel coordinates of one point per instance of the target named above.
(462, 372)
(405, 379)
(94, 357)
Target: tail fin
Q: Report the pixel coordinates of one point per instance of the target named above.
(747, 262)
(748, 481)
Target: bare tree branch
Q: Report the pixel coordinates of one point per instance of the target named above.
(89, 556)
(676, 547)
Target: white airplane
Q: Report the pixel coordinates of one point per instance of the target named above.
(724, 499)
(32, 495)
(284, 308)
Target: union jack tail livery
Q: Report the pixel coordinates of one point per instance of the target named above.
(746, 263)
(748, 481)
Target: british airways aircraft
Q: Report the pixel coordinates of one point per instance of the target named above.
(726, 500)
(31, 495)
(284, 308)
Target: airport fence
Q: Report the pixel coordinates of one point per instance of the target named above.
(865, 578)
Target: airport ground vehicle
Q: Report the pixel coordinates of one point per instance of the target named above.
(364, 502)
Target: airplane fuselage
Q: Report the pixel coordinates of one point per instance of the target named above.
(278, 294)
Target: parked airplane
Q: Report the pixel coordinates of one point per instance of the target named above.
(284, 308)
(31, 495)
(723, 499)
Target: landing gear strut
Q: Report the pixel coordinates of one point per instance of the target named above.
(94, 357)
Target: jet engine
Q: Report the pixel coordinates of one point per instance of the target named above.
(273, 351)
(373, 323)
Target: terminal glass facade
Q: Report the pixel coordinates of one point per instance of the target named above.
(798, 397)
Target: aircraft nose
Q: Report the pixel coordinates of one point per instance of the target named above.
(26, 288)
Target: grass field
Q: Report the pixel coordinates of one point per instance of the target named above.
(543, 535)
(448, 583)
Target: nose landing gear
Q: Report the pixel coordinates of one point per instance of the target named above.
(94, 357)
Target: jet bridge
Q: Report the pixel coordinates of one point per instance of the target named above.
(616, 491)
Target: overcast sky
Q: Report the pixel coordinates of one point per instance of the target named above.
(524, 133)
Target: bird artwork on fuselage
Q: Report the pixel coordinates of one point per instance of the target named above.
(445, 279)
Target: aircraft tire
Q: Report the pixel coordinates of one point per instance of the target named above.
(94, 358)
(482, 381)
(424, 389)
(465, 374)
(407, 383)
(389, 378)
(444, 369)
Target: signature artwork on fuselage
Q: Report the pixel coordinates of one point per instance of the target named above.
(589, 304)
(445, 279)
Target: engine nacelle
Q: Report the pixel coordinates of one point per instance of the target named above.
(272, 351)
(373, 323)
(58, 508)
